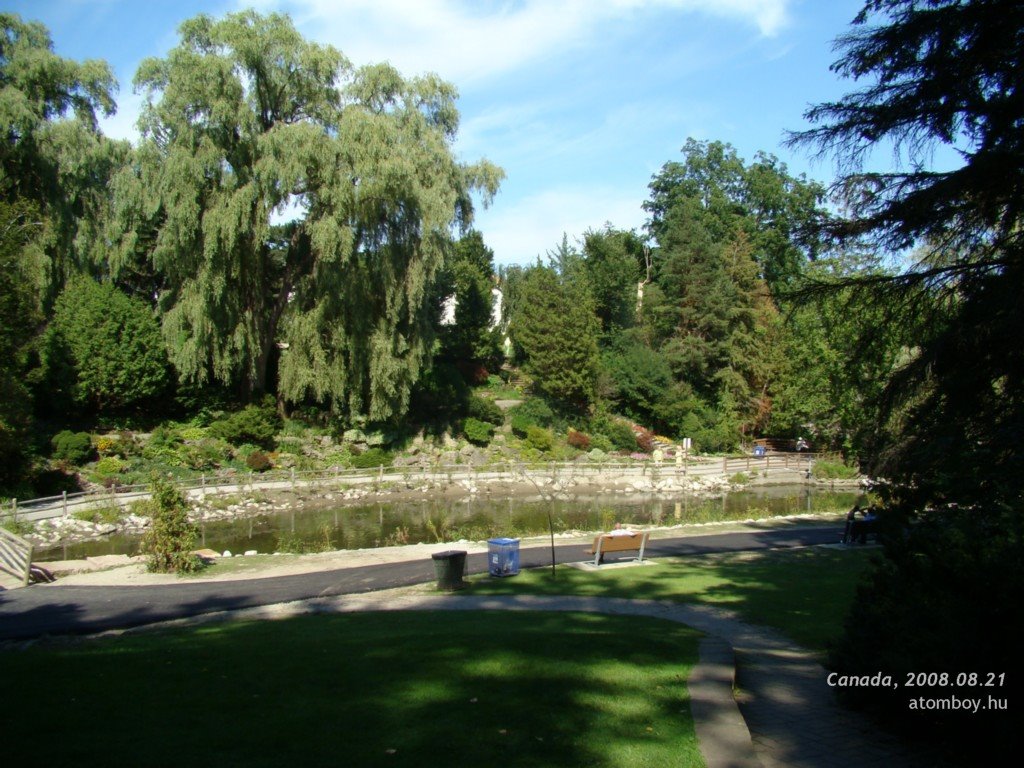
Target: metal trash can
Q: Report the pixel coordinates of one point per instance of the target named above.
(449, 567)
(503, 557)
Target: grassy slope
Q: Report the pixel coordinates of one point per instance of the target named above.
(804, 593)
(483, 689)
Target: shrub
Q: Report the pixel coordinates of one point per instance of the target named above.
(293, 543)
(109, 465)
(72, 447)
(171, 537)
(540, 439)
(537, 411)
(258, 461)
(520, 424)
(371, 457)
(106, 445)
(644, 439)
(164, 437)
(601, 443)
(478, 432)
(111, 514)
(533, 413)
(122, 445)
(142, 508)
(103, 348)
(253, 424)
(834, 470)
(485, 410)
(208, 453)
(18, 527)
(617, 431)
(578, 440)
(192, 432)
(640, 377)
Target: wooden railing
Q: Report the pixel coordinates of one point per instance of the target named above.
(15, 555)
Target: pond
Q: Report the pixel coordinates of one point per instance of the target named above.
(473, 519)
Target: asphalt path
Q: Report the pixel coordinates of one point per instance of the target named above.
(74, 610)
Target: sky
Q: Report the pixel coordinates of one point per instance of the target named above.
(581, 102)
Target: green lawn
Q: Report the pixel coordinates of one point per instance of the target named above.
(804, 593)
(397, 689)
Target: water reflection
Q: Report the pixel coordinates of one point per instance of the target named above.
(474, 519)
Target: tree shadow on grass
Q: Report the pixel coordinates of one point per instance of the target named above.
(407, 688)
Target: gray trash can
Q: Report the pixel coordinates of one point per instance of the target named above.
(503, 557)
(449, 567)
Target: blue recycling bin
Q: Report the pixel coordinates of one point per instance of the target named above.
(503, 557)
(759, 450)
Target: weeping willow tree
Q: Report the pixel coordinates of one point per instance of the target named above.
(54, 161)
(287, 198)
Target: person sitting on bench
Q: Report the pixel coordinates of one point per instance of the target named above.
(861, 528)
(851, 517)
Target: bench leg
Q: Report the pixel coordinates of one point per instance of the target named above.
(643, 546)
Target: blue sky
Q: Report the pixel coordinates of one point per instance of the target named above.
(580, 101)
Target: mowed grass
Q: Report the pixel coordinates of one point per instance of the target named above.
(388, 689)
(804, 593)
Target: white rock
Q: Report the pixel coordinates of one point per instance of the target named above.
(250, 552)
(227, 553)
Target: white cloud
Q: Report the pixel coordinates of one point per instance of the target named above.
(122, 125)
(520, 231)
(468, 42)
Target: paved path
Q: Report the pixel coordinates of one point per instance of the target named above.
(62, 609)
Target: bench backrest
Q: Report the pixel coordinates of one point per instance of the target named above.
(618, 543)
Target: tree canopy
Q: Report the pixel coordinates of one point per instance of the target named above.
(245, 124)
(555, 327)
(53, 155)
(941, 73)
(468, 278)
(780, 214)
(714, 319)
(19, 319)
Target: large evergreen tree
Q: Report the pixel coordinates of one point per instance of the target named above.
(942, 73)
(555, 328)
(713, 317)
(244, 120)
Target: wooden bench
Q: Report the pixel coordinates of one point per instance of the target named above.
(618, 542)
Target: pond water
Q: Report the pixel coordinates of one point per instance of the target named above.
(473, 519)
